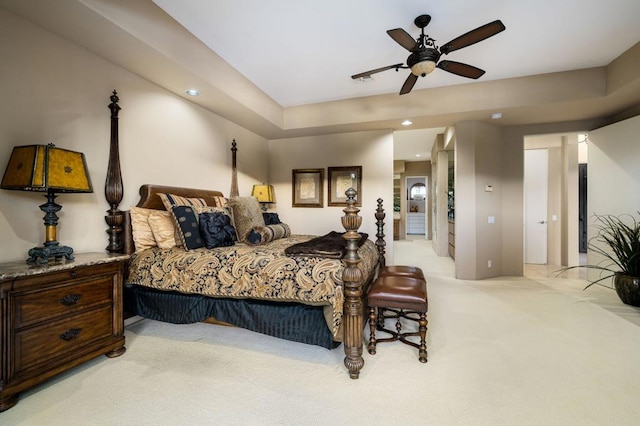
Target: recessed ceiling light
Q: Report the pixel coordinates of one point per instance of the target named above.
(407, 123)
(496, 115)
(192, 92)
(417, 155)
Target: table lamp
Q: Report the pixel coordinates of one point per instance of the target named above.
(46, 168)
(264, 194)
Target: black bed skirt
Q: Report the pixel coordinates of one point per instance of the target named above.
(290, 321)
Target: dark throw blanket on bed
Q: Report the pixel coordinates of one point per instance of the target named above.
(331, 245)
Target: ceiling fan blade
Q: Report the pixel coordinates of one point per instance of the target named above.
(408, 84)
(473, 36)
(403, 38)
(368, 73)
(461, 69)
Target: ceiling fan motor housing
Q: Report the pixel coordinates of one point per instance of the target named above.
(422, 55)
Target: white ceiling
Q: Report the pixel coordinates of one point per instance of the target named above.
(301, 52)
(281, 68)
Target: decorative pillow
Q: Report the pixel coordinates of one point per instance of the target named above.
(163, 229)
(220, 201)
(142, 235)
(246, 215)
(187, 225)
(271, 218)
(170, 200)
(265, 234)
(216, 230)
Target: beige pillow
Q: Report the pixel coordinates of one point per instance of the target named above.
(163, 228)
(142, 235)
(246, 215)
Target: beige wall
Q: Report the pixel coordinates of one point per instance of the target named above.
(478, 153)
(55, 91)
(372, 150)
(440, 186)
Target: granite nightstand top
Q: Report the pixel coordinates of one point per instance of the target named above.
(21, 268)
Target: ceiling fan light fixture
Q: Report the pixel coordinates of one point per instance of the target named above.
(423, 68)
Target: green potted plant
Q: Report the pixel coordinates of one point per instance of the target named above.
(617, 240)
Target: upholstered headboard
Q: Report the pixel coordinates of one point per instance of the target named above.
(149, 198)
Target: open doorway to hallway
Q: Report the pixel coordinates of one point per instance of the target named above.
(565, 155)
(413, 217)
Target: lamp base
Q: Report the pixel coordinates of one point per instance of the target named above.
(41, 255)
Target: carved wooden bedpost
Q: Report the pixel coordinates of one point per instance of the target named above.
(234, 171)
(353, 292)
(113, 189)
(381, 245)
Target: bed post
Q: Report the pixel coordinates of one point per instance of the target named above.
(234, 171)
(353, 289)
(381, 245)
(113, 188)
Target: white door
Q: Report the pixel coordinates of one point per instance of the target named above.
(535, 205)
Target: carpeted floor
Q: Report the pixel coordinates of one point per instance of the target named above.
(532, 350)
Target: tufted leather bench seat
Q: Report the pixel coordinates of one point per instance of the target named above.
(402, 271)
(401, 291)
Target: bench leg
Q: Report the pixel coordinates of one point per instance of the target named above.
(372, 330)
(422, 328)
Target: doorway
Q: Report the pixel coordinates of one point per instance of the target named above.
(417, 190)
(536, 169)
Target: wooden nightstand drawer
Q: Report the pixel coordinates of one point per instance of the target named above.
(36, 306)
(39, 344)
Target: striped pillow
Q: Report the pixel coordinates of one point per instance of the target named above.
(220, 201)
(171, 200)
(265, 234)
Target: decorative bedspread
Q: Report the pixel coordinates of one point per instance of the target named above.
(252, 272)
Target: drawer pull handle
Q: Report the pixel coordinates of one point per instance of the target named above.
(73, 274)
(70, 299)
(70, 334)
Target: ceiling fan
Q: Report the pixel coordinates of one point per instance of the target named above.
(425, 55)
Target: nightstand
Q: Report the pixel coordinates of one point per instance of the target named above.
(56, 316)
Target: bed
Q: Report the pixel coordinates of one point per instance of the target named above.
(285, 285)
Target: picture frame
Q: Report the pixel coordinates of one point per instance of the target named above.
(307, 185)
(341, 179)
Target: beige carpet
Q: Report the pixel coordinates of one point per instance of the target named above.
(510, 351)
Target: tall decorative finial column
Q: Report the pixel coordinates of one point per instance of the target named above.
(381, 245)
(352, 283)
(113, 188)
(234, 171)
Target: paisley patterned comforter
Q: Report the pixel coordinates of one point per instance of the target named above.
(252, 272)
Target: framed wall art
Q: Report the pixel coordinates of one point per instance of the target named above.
(341, 179)
(307, 187)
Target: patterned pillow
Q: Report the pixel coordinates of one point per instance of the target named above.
(246, 215)
(220, 201)
(271, 218)
(216, 230)
(187, 225)
(265, 234)
(142, 235)
(163, 229)
(170, 200)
